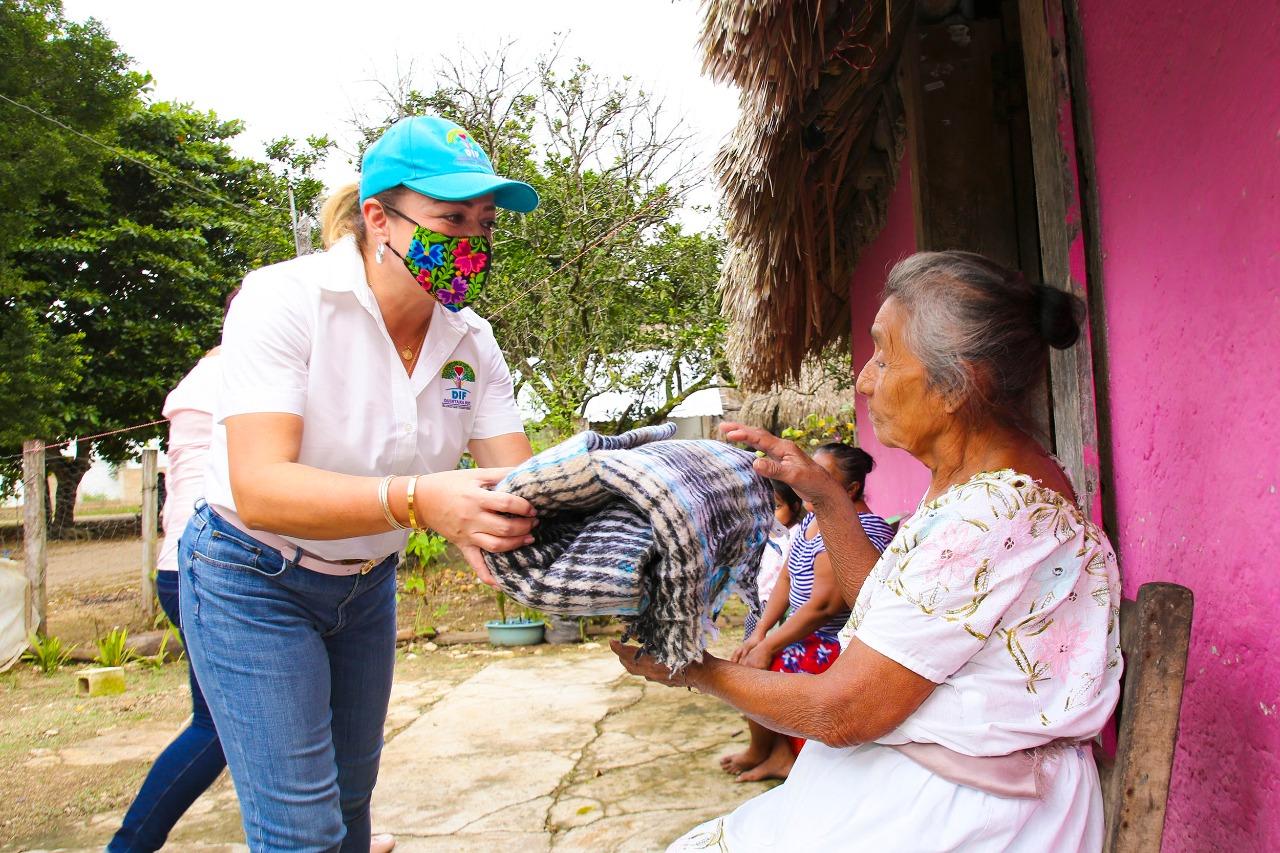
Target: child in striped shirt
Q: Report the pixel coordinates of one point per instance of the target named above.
(809, 599)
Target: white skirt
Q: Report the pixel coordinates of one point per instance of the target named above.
(873, 798)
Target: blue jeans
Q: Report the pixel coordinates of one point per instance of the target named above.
(185, 769)
(297, 669)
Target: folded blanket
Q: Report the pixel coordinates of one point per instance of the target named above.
(656, 531)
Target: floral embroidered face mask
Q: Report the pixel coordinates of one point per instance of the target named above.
(453, 269)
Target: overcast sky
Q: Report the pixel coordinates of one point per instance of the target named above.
(298, 68)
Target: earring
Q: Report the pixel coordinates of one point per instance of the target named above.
(377, 256)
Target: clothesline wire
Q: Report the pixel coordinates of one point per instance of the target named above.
(127, 156)
(70, 441)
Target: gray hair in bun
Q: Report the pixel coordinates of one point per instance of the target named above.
(982, 331)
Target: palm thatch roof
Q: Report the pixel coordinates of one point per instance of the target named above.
(808, 170)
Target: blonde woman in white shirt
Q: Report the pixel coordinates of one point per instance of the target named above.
(353, 381)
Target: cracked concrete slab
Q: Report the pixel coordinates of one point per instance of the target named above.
(500, 740)
(564, 753)
(655, 773)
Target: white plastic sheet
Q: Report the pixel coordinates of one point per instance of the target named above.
(13, 613)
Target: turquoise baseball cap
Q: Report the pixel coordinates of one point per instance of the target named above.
(439, 159)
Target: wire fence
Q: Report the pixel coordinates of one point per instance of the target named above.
(88, 555)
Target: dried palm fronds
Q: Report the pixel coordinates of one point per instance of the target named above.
(809, 168)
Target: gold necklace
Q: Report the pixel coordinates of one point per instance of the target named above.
(407, 352)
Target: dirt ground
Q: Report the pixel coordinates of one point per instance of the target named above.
(55, 747)
(575, 756)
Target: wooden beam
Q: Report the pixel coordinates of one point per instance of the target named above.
(1053, 149)
(35, 503)
(959, 138)
(1155, 633)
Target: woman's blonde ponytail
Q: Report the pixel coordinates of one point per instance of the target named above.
(341, 216)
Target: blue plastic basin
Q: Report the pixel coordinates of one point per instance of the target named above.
(520, 633)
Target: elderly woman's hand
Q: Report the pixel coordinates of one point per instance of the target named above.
(785, 461)
(638, 663)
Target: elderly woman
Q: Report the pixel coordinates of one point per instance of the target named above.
(983, 649)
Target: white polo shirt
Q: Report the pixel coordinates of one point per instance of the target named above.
(306, 337)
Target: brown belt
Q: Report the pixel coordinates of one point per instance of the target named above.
(305, 559)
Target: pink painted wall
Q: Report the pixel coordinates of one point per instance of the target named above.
(898, 481)
(1185, 100)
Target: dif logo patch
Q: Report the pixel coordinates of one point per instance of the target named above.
(459, 385)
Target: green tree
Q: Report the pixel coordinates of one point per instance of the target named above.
(139, 276)
(601, 288)
(74, 74)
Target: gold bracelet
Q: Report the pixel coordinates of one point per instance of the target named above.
(413, 519)
(384, 489)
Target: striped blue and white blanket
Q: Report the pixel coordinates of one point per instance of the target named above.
(657, 531)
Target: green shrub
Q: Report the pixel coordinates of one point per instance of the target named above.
(425, 552)
(158, 659)
(814, 430)
(527, 614)
(426, 547)
(47, 653)
(113, 649)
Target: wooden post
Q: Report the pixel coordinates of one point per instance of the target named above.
(150, 522)
(1053, 150)
(34, 504)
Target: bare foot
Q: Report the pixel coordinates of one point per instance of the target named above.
(383, 842)
(740, 762)
(776, 766)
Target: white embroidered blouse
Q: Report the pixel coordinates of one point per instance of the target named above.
(1006, 596)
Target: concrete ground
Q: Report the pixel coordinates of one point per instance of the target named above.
(544, 749)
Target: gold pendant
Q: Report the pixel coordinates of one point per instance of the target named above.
(406, 354)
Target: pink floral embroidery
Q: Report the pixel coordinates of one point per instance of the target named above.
(951, 571)
(1061, 643)
(468, 262)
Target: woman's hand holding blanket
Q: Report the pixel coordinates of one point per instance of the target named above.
(461, 507)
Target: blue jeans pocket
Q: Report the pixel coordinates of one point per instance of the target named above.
(225, 550)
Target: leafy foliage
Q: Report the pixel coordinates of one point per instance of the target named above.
(425, 552)
(815, 430)
(159, 658)
(76, 74)
(119, 239)
(139, 277)
(426, 547)
(526, 614)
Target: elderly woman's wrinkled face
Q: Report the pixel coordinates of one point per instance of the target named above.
(905, 412)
